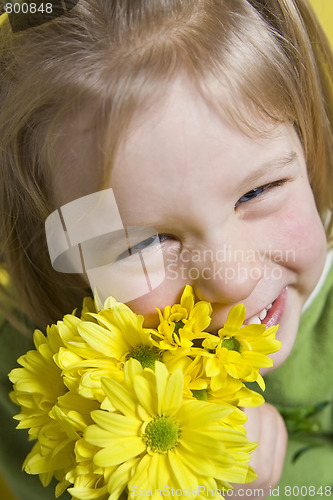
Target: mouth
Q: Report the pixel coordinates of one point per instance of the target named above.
(271, 314)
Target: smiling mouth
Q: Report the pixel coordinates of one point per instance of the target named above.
(271, 314)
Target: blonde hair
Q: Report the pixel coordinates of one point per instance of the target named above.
(248, 58)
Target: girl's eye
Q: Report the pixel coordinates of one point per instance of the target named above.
(254, 193)
(251, 194)
(143, 245)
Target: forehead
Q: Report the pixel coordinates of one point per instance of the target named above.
(174, 152)
(182, 149)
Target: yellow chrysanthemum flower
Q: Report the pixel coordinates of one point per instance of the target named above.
(154, 437)
(51, 456)
(38, 384)
(89, 482)
(235, 393)
(82, 365)
(37, 387)
(120, 335)
(99, 345)
(240, 350)
(184, 322)
(232, 392)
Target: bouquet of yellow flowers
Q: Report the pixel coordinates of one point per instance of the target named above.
(118, 409)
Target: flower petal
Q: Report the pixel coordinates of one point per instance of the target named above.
(146, 395)
(119, 396)
(235, 318)
(122, 450)
(116, 424)
(182, 475)
(196, 414)
(161, 373)
(119, 479)
(198, 467)
(173, 395)
(187, 298)
(101, 339)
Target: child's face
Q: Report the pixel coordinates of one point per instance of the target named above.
(236, 215)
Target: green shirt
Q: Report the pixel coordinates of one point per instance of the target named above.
(306, 377)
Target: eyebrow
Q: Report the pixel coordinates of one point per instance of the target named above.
(268, 167)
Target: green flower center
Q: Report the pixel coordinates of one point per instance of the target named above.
(178, 326)
(146, 355)
(231, 344)
(161, 434)
(201, 394)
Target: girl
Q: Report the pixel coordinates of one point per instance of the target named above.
(204, 130)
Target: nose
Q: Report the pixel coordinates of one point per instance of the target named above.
(226, 274)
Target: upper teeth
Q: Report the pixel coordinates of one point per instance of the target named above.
(256, 320)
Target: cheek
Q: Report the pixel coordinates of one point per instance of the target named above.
(303, 233)
(300, 235)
